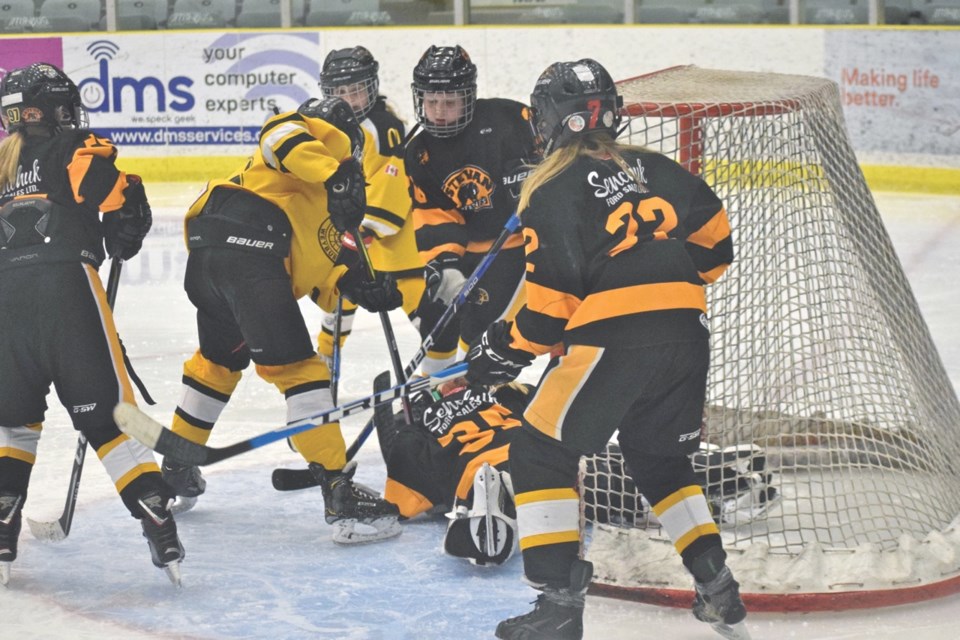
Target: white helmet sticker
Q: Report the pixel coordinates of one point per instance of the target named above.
(584, 73)
(13, 98)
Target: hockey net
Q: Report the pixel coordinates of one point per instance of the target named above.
(832, 430)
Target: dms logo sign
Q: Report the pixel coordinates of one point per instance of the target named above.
(108, 94)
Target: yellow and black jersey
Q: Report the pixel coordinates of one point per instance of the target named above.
(461, 186)
(611, 262)
(75, 171)
(388, 199)
(433, 462)
(294, 158)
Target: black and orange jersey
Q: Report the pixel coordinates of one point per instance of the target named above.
(433, 463)
(75, 170)
(294, 158)
(461, 186)
(614, 263)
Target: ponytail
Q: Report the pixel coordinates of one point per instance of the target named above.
(10, 149)
(597, 144)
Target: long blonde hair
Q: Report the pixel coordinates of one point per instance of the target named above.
(10, 159)
(598, 145)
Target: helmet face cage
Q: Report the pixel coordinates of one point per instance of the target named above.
(572, 98)
(456, 107)
(40, 95)
(444, 90)
(351, 74)
(337, 112)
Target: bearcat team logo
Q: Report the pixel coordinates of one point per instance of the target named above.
(470, 188)
(329, 239)
(31, 115)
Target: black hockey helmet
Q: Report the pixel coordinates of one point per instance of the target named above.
(345, 68)
(448, 71)
(337, 112)
(40, 95)
(571, 98)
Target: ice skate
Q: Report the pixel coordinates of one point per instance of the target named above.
(186, 481)
(160, 530)
(557, 613)
(718, 603)
(485, 532)
(358, 513)
(11, 520)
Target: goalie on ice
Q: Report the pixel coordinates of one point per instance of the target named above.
(454, 459)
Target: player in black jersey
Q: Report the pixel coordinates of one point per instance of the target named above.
(56, 177)
(621, 242)
(465, 169)
(454, 459)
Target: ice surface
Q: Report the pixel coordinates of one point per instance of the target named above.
(260, 564)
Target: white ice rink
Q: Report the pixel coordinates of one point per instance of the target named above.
(260, 564)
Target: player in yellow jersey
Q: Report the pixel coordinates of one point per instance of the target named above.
(259, 240)
(352, 74)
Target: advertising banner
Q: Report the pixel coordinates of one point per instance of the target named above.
(20, 53)
(209, 91)
(898, 97)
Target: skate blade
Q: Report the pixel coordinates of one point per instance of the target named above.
(173, 572)
(356, 532)
(47, 531)
(732, 631)
(182, 504)
(5, 573)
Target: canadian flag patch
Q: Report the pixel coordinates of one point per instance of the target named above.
(391, 170)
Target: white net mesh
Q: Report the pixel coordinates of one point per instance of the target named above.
(819, 353)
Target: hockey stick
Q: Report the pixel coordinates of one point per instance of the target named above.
(139, 425)
(387, 327)
(59, 529)
(512, 224)
(337, 330)
(295, 479)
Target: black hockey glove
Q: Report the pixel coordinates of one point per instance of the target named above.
(379, 294)
(125, 228)
(444, 278)
(491, 360)
(346, 195)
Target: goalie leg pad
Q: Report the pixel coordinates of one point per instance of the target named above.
(486, 532)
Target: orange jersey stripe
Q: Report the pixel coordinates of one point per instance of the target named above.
(715, 230)
(483, 246)
(431, 217)
(551, 302)
(494, 457)
(407, 500)
(639, 299)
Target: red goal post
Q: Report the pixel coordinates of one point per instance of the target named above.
(842, 490)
